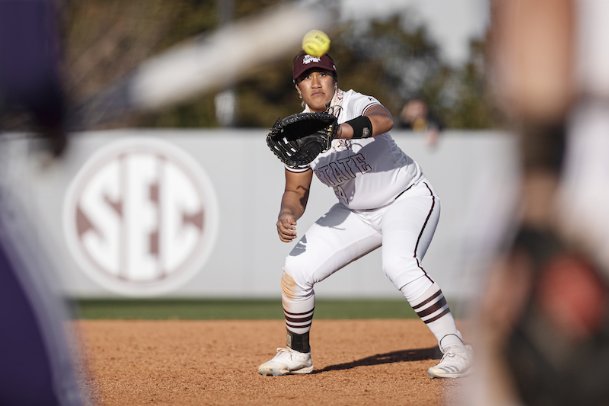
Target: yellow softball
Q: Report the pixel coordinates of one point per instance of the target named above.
(316, 43)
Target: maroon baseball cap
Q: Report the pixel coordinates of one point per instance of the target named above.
(303, 62)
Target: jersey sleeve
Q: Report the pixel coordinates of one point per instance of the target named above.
(359, 103)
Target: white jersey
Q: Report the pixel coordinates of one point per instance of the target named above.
(365, 173)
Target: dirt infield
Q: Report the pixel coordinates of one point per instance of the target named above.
(357, 362)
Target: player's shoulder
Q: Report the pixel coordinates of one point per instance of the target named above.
(356, 96)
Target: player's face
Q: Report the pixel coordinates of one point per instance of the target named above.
(317, 87)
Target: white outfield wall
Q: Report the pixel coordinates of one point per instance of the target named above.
(191, 213)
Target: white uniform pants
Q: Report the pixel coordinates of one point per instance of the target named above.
(403, 228)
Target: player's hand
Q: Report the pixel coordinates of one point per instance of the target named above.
(286, 227)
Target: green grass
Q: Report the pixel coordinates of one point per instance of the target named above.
(227, 309)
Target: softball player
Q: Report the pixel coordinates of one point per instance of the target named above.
(383, 200)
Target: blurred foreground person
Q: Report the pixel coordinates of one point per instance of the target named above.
(38, 360)
(544, 321)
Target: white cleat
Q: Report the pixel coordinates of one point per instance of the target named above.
(287, 362)
(456, 363)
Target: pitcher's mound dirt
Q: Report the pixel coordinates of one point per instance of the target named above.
(357, 362)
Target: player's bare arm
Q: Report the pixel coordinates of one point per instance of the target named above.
(293, 203)
(380, 118)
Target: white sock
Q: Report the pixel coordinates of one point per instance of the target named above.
(298, 314)
(433, 310)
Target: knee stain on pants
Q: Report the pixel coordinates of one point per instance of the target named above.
(287, 285)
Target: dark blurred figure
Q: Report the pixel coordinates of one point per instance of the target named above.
(416, 116)
(544, 318)
(38, 362)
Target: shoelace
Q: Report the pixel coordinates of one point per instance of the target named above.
(455, 354)
(281, 351)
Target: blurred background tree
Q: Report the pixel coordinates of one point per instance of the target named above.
(393, 59)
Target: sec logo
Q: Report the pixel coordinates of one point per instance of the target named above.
(141, 217)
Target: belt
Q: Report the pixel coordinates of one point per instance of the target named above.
(394, 199)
